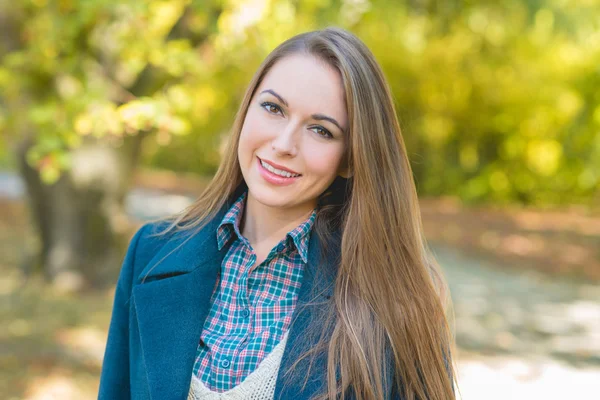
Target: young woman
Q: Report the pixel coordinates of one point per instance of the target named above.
(302, 271)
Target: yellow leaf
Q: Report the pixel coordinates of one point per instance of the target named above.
(84, 124)
(50, 174)
(544, 156)
(469, 158)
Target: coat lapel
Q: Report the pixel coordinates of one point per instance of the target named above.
(171, 313)
(171, 305)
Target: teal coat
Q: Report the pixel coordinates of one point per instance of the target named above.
(157, 321)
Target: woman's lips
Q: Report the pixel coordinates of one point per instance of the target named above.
(279, 167)
(274, 178)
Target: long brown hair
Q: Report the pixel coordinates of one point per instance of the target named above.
(390, 298)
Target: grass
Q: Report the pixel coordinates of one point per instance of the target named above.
(51, 343)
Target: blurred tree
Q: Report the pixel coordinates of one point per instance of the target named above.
(83, 89)
(498, 101)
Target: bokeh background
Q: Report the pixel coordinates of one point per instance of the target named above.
(113, 113)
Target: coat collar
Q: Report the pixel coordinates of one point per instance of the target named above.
(173, 302)
(184, 252)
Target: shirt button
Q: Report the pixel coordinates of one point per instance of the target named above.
(225, 363)
(245, 313)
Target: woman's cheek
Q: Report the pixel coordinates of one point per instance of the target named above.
(255, 132)
(325, 163)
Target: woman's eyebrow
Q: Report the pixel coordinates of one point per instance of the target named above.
(276, 95)
(318, 117)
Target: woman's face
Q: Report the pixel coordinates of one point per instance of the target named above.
(292, 140)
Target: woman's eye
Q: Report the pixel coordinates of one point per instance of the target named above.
(271, 108)
(322, 132)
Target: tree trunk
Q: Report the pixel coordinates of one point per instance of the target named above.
(80, 218)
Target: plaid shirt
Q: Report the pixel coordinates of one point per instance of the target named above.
(250, 311)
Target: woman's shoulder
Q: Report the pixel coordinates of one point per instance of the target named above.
(148, 241)
(151, 236)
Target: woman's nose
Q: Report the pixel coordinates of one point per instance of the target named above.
(285, 142)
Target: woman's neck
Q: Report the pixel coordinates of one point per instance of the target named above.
(265, 226)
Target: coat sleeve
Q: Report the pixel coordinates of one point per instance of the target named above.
(115, 379)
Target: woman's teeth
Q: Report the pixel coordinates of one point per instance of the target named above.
(276, 171)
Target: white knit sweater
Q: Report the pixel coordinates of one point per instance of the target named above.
(259, 385)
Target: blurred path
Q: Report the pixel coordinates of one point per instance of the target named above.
(11, 185)
(523, 312)
(511, 378)
(140, 203)
(520, 334)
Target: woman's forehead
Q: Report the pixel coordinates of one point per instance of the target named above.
(307, 84)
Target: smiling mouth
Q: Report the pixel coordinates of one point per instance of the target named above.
(276, 171)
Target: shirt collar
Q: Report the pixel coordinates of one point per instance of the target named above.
(301, 235)
(230, 223)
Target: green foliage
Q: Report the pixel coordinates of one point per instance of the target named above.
(499, 101)
(497, 98)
